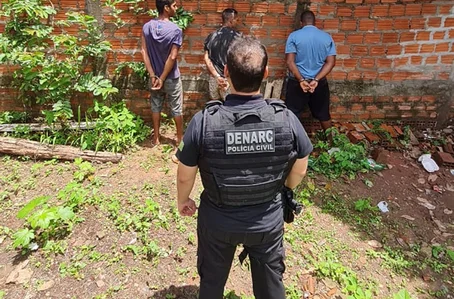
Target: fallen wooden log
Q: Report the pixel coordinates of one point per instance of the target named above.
(36, 150)
(36, 127)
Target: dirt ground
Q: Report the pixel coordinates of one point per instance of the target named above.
(326, 246)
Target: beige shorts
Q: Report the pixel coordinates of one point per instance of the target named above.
(215, 92)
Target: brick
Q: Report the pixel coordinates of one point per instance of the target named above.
(429, 9)
(253, 20)
(276, 8)
(390, 37)
(449, 22)
(338, 37)
(343, 50)
(427, 48)
(443, 159)
(354, 75)
(350, 63)
(270, 21)
(400, 24)
(447, 59)
(423, 36)
(413, 9)
(326, 10)
(444, 47)
(354, 1)
(418, 23)
(367, 62)
(411, 49)
(355, 137)
(416, 60)
(407, 37)
(366, 24)
(445, 9)
(260, 7)
(360, 50)
(362, 11)
(344, 12)
(380, 155)
(348, 25)
(292, 8)
(245, 7)
(431, 60)
(377, 50)
(330, 24)
(368, 75)
(286, 20)
(207, 6)
(372, 38)
(400, 76)
(380, 11)
(355, 38)
(438, 35)
(384, 24)
(338, 75)
(384, 63)
(434, 22)
(397, 11)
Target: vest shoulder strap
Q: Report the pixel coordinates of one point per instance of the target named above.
(277, 104)
(212, 106)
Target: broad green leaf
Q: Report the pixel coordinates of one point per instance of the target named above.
(23, 237)
(65, 213)
(31, 205)
(403, 294)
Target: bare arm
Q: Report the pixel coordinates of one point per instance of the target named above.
(146, 58)
(210, 65)
(185, 182)
(170, 62)
(297, 173)
(330, 62)
(290, 59)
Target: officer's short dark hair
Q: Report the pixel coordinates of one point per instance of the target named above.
(160, 4)
(308, 17)
(246, 63)
(228, 14)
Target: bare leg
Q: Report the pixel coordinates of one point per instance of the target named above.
(179, 126)
(156, 117)
(325, 124)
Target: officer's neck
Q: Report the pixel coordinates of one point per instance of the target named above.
(245, 93)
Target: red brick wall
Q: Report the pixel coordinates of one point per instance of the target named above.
(395, 57)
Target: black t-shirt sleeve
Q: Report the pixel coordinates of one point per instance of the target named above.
(206, 42)
(188, 150)
(303, 143)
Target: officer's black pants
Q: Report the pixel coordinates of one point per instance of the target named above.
(215, 254)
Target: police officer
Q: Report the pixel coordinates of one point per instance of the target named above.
(246, 149)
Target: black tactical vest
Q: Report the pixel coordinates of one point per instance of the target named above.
(246, 156)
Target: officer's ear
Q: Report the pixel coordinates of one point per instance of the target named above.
(265, 74)
(226, 71)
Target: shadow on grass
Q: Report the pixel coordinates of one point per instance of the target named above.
(174, 292)
(414, 259)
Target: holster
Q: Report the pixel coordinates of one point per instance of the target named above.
(290, 205)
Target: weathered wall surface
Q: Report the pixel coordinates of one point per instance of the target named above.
(395, 57)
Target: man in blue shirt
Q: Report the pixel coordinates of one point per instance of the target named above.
(310, 55)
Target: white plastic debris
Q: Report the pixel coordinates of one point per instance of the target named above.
(428, 163)
(383, 206)
(333, 150)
